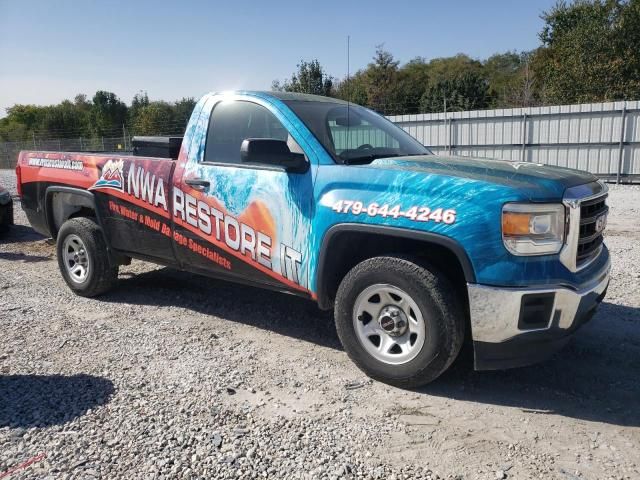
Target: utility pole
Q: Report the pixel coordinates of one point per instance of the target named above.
(124, 137)
(623, 117)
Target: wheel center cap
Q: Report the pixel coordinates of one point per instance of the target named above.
(393, 320)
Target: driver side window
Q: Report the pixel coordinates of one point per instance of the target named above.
(234, 121)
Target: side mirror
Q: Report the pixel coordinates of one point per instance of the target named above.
(272, 152)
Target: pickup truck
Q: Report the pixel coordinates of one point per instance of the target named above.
(330, 201)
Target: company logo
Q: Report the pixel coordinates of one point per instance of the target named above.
(601, 223)
(112, 176)
(387, 323)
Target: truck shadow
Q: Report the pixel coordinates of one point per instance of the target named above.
(594, 378)
(281, 313)
(23, 257)
(44, 400)
(19, 234)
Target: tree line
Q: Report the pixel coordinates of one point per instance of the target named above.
(589, 52)
(105, 115)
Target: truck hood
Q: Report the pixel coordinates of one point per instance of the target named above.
(536, 181)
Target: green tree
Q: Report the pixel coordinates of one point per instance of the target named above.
(448, 68)
(352, 89)
(502, 71)
(12, 131)
(140, 100)
(27, 115)
(156, 118)
(414, 79)
(381, 82)
(108, 114)
(590, 51)
(468, 91)
(182, 110)
(310, 77)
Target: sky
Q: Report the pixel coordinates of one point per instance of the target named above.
(51, 50)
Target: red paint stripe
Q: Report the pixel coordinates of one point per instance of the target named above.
(133, 200)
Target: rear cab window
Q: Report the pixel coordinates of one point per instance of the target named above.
(232, 122)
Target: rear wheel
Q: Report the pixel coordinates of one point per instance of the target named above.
(399, 321)
(83, 258)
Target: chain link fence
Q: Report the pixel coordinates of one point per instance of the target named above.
(9, 150)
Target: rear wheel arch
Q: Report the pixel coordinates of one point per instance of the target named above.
(63, 203)
(345, 245)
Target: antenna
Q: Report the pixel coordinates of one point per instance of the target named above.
(348, 51)
(348, 92)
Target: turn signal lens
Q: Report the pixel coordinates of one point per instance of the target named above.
(515, 223)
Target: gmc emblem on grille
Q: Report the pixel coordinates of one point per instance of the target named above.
(601, 222)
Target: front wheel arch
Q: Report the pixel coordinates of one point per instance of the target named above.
(338, 254)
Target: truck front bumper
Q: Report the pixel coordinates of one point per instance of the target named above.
(513, 327)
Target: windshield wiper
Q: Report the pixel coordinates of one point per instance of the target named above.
(375, 156)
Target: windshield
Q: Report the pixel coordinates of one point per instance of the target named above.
(353, 134)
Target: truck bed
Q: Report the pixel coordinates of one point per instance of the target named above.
(42, 172)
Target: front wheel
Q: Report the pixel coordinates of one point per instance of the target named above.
(398, 321)
(83, 258)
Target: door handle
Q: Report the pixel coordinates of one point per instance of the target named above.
(198, 183)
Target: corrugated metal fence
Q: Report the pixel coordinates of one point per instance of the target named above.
(603, 138)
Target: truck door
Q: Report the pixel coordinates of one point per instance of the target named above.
(249, 222)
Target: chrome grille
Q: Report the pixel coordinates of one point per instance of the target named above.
(590, 238)
(586, 218)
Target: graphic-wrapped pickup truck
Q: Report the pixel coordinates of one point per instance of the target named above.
(330, 201)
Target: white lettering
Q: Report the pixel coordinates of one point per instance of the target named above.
(204, 218)
(247, 240)
(217, 214)
(235, 241)
(132, 182)
(190, 209)
(161, 199)
(264, 250)
(178, 203)
(147, 185)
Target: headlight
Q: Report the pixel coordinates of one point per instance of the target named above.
(533, 229)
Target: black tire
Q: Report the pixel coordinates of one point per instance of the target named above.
(101, 274)
(432, 293)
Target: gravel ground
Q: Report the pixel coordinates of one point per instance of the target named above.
(177, 376)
